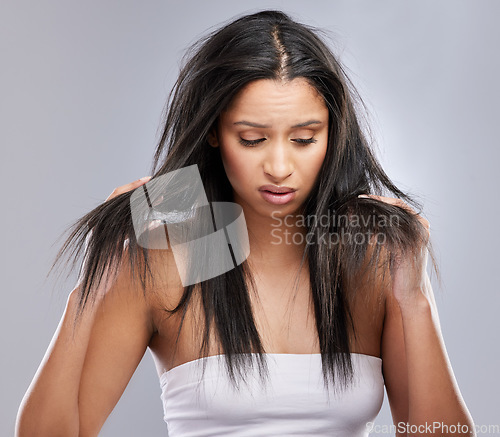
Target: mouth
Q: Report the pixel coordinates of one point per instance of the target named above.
(276, 190)
(277, 195)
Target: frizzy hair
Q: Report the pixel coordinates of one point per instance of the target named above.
(264, 45)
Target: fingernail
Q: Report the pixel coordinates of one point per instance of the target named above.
(363, 195)
(145, 178)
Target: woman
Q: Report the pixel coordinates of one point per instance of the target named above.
(332, 293)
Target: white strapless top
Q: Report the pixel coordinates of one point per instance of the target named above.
(293, 402)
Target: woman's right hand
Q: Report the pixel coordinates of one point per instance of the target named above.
(128, 187)
(103, 287)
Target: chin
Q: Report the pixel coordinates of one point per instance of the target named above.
(280, 211)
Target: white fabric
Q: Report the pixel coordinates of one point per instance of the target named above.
(294, 402)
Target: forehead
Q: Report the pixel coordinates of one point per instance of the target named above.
(268, 100)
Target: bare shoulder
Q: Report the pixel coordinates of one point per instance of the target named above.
(165, 288)
(164, 293)
(160, 274)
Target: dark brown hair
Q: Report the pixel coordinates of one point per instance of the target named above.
(266, 45)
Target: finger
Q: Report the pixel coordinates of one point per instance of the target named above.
(390, 200)
(136, 183)
(128, 187)
(398, 202)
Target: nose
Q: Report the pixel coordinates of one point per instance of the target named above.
(278, 162)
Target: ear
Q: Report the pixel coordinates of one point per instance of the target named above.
(212, 138)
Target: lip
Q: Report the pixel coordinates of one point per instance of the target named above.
(278, 195)
(276, 189)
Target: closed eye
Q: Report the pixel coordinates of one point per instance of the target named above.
(250, 143)
(305, 140)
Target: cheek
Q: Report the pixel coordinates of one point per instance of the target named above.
(312, 164)
(237, 167)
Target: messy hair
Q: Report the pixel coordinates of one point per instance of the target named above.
(265, 45)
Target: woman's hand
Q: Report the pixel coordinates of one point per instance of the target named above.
(410, 281)
(128, 187)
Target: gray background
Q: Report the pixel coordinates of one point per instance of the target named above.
(82, 87)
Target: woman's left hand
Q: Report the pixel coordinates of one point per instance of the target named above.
(410, 281)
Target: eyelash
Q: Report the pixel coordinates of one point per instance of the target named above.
(250, 143)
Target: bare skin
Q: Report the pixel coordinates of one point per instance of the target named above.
(403, 332)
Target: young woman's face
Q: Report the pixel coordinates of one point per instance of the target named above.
(273, 137)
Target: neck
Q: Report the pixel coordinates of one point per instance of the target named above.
(274, 241)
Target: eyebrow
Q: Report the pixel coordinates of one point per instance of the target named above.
(252, 124)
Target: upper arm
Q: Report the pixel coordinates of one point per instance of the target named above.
(394, 366)
(120, 335)
(392, 345)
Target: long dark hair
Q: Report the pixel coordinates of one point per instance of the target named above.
(265, 45)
